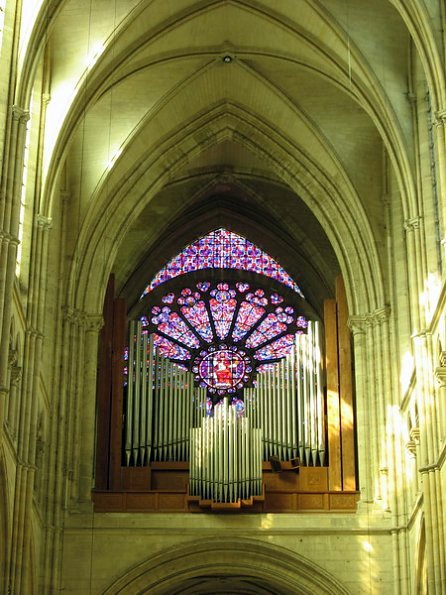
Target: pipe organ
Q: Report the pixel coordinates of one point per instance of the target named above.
(226, 457)
(161, 404)
(168, 418)
(288, 403)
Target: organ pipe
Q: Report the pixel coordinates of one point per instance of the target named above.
(226, 462)
(163, 405)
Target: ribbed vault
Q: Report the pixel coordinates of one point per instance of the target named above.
(139, 116)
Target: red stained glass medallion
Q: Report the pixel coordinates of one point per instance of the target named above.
(224, 333)
(222, 370)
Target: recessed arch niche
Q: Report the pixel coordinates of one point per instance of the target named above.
(251, 564)
(142, 472)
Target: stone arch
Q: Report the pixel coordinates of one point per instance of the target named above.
(263, 564)
(107, 224)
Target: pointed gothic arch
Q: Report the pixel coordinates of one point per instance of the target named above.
(220, 329)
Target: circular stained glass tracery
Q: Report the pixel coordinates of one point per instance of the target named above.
(222, 369)
(224, 332)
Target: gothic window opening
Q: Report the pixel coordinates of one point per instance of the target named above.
(223, 371)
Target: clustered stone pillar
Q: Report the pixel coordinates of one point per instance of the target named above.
(370, 371)
(440, 130)
(427, 408)
(9, 225)
(27, 419)
(18, 547)
(72, 432)
(379, 443)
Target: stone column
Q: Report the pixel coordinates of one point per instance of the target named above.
(366, 456)
(85, 465)
(440, 405)
(429, 469)
(27, 426)
(14, 399)
(9, 221)
(380, 447)
(440, 144)
(82, 401)
(73, 431)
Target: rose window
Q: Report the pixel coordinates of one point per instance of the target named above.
(224, 333)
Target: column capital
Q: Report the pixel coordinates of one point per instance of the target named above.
(8, 238)
(33, 332)
(421, 334)
(440, 118)
(358, 324)
(412, 223)
(20, 114)
(94, 322)
(89, 322)
(440, 375)
(43, 222)
(381, 315)
(74, 315)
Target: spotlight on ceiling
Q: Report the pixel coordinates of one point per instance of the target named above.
(227, 58)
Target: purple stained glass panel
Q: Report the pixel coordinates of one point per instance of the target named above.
(222, 370)
(197, 316)
(267, 330)
(193, 327)
(277, 349)
(222, 249)
(301, 322)
(176, 328)
(169, 349)
(248, 315)
(265, 368)
(222, 315)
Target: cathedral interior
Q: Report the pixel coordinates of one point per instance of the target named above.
(222, 297)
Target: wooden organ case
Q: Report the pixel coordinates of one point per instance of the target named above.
(290, 446)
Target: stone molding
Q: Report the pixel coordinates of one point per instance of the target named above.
(16, 375)
(440, 372)
(168, 570)
(412, 223)
(44, 222)
(20, 114)
(442, 359)
(440, 118)
(360, 323)
(89, 322)
(8, 238)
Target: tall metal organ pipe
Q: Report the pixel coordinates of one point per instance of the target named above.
(163, 405)
(226, 462)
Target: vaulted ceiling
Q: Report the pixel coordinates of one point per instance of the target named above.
(279, 120)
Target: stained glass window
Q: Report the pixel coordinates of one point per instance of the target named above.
(222, 249)
(224, 333)
(222, 370)
(171, 350)
(277, 349)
